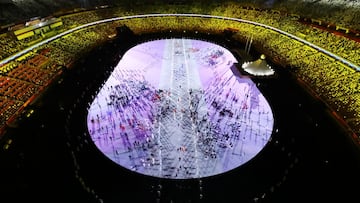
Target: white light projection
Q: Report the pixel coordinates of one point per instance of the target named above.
(177, 108)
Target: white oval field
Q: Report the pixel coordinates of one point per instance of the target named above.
(178, 109)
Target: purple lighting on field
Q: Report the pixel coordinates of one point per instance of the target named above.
(174, 109)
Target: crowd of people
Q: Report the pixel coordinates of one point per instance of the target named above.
(130, 119)
(311, 66)
(9, 45)
(344, 13)
(30, 74)
(22, 79)
(334, 82)
(275, 18)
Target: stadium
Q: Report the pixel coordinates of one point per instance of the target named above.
(179, 101)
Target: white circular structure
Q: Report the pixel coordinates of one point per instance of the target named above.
(174, 108)
(258, 67)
